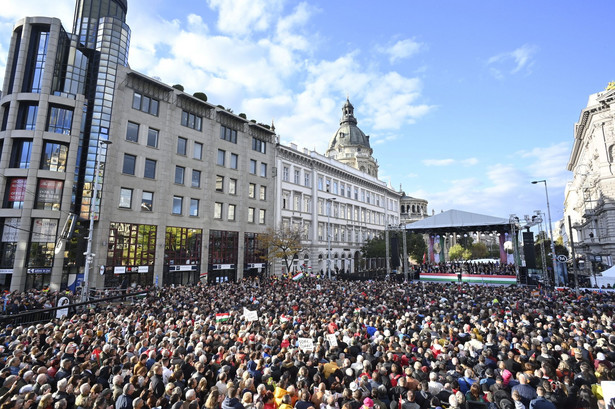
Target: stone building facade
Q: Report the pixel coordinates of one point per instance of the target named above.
(590, 195)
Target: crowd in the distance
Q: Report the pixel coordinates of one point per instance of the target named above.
(466, 267)
(318, 344)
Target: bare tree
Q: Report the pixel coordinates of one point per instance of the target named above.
(282, 243)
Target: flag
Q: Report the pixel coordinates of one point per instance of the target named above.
(298, 276)
(284, 318)
(357, 310)
(222, 317)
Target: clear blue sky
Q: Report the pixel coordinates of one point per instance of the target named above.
(466, 102)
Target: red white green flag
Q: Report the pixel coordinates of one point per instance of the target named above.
(284, 318)
(222, 316)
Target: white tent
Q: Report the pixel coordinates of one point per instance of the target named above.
(608, 277)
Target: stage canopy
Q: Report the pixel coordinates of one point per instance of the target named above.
(453, 221)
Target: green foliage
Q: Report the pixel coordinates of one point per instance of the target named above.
(560, 249)
(200, 95)
(282, 243)
(221, 107)
(179, 87)
(242, 115)
(456, 252)
(416, 247)
(374, 247)
(479, 250)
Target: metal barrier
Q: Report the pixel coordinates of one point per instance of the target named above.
(49, 314)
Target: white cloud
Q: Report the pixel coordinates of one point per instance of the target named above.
(242, 17)
(438, 162)
(449, 162)
(402, 49)
(513, 62)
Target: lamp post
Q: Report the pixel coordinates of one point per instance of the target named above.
(386, 250)
(89, 256)
(330, 200)
(403, 232)
(550, 228)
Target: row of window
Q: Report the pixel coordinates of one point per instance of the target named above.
(48, 194)
(53, 157)
(59, 119)
(145, 104)
(330, 186)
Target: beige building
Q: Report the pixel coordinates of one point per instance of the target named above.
(336, 200)
(590, 195)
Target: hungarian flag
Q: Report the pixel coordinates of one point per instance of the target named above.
(222, 317)
(298, 276)
(284, 318)
(357, 310)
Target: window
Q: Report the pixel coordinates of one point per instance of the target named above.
(147, 201)
(15, 193)
(182, 143)
(228, 134)
(125, 198)
(132, 132)
(307, 204)
(180, 171)
(297, 204)
(217, 210)
(342, 189)
(261, 216)
(232, 186)
(264, 170)
(54, 157)
(26, 116)
(221, 157)
(285, 173)
(129, 164)
(320, 182)
(49, 194)
(252, 166)
(234, 160)
(196, 178)
(178, 203)
(334, 187)
(198, 151)
(251, 214)
(259, 146)
(306, 179)
(152, 137)
(60, 120)
(194, 207)
(252, 191)
(263, 193)
(191, 121)
(37, 54)
(231, 212)
(297, 176)
(219, 183)
(150, 169)
(356, 193)
(145, 104)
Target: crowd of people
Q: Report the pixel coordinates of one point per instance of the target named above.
(284, 344)
(466, 267)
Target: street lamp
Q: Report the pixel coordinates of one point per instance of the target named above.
(555, 281)
(330, 200)
(89, 256)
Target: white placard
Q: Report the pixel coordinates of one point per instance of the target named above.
(306, 344)
(63, 312)
(608, 391)
(332, 340)
(250, 315)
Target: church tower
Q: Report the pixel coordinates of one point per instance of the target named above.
(350, 145)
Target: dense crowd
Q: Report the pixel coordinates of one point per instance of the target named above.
(465, 267)
(280, 344)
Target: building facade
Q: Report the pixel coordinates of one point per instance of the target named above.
(590, 195)
(336, 199)
(183, 187)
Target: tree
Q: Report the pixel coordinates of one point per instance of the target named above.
(479, 250)
(179, 87)
(560, 249)
(416, 247)
(456, 252)
(282, 243)
(374, 247)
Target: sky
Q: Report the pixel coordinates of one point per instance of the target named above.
(465, 102)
